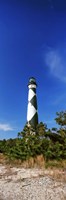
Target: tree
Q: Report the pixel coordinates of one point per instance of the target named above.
(27, 130)
(54, 130)
(41, 129)
(61, 118)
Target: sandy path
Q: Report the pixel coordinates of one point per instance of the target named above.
(30, 184)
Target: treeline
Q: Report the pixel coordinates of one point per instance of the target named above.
(51, 143)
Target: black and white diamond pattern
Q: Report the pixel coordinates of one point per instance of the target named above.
(32, 115)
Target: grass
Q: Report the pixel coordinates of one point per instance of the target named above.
(37, 161)
(56, 164)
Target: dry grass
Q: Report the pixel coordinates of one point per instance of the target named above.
(59, 175)
(3, 158)
(56, 164)
(37, 161)
(34, 162)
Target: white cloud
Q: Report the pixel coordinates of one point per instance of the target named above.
(5, 127)
(56, 63)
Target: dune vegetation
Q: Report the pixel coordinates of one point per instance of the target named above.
(41, 146)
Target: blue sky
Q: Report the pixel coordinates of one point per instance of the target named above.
(32, 43)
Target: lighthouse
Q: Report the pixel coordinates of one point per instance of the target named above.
(32, 114)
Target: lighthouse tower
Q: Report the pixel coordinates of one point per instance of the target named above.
(32, 115)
